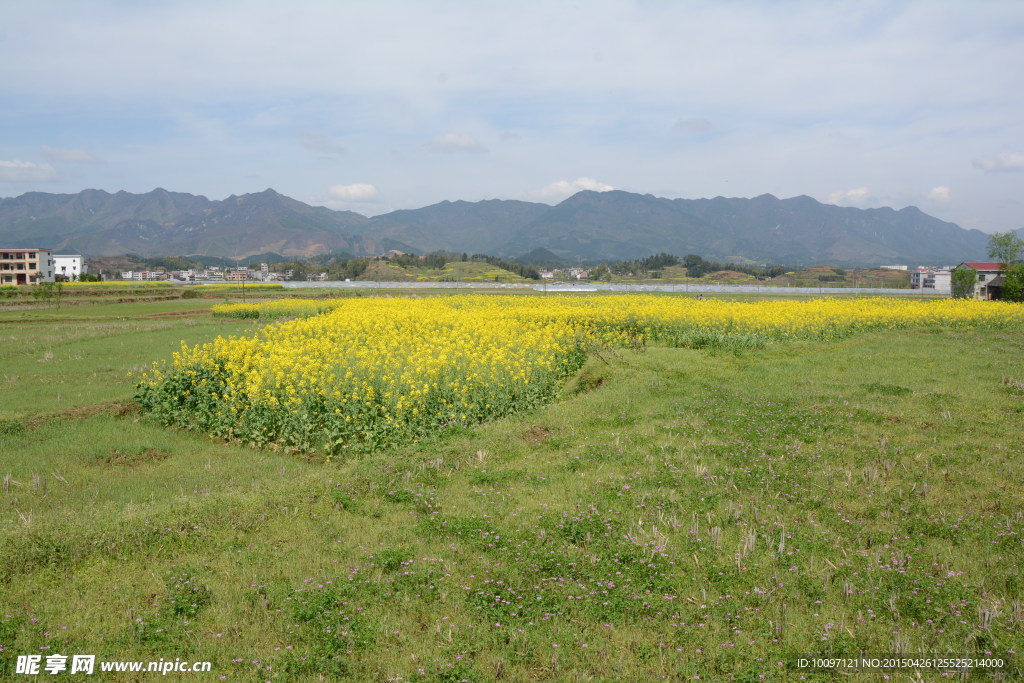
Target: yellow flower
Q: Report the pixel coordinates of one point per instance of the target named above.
(393, 370)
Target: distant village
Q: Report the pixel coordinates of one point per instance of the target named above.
(33, 266)
(264, 274)
(218, 274)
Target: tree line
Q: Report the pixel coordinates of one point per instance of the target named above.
(344, 265)
(338, 266)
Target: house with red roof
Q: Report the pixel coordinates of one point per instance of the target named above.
(990, 279)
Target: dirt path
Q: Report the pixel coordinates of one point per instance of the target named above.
(116, 408)
(141, 316)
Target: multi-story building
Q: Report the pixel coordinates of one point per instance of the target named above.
(939, 279)
(70, 267)
(990, 279)
(26, 266)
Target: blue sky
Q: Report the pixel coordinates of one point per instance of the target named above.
(375, 106)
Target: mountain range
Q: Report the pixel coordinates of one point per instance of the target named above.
(588, 226)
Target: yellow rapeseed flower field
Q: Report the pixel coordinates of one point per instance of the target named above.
(374, 372)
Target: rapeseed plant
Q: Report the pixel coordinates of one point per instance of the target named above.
(376, 372)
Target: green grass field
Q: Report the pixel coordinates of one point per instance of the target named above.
(677, 513)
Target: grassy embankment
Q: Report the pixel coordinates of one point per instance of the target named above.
(677, 513)
(453, 271)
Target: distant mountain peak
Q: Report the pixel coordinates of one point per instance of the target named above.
(588, 226)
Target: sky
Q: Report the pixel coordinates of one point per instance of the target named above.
(384, 105)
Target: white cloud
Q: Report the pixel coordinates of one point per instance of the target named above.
(694, 126)
(319, 142)
(713, 98)
(565, 188)
(941, 194)
(1008, 161)
(26, 172)
(353, 193)
(73, 156)
(454, 142)
(858, 196)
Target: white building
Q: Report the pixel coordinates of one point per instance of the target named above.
(937, 279)
(70, 267)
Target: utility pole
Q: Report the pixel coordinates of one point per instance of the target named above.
(244, 276)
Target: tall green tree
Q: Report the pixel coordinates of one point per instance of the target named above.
(1005, 247)
(963, 279)
(1013, 282)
